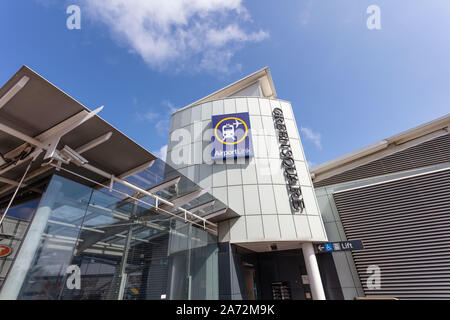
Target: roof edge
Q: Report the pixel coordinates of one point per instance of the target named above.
(403, 137)
(29, 69)
(237, 86)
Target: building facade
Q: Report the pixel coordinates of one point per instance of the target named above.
(270, 188)
(393, 195)
(80, 219)
(234, 212)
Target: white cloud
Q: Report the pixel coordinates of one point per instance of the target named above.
(219, 38)
(171, 107)
(184, 33)
(305, 13)
(162, 127)
(146, 116)
(161, 153)
(305, 17)
(150, 116)
(160, 120)
(316, 138)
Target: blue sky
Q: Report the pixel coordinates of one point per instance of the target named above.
(349, 86)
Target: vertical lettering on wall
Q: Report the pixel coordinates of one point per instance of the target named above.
(288, 162)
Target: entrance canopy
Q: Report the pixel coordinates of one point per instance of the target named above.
(35, 107)
(42, 125)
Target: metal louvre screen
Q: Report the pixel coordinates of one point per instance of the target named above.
(429, 153)
(405, 227)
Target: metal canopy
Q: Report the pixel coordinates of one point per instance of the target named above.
(40, 122)
(39, 106)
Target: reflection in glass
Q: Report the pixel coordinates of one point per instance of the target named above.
(125, 249)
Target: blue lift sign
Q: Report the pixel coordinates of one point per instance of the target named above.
(340, 246)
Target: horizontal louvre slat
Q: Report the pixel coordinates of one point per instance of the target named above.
(403, 255)
(413, 276)
(410, 229)
(386, 224)
(441, 234)
(405, 204)
(425, 187)
(405, 228)
(428, 153)
(371, 252)
(393, 212)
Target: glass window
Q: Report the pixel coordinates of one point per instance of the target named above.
(52, 237)
(122, 248)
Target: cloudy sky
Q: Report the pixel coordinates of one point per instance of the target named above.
(143, 59)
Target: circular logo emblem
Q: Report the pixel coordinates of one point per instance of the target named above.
(231, 130)
(5, 251)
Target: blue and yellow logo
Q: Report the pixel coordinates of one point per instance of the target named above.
(231, 137)
(228, 133)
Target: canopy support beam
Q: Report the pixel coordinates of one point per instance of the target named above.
(13, 91)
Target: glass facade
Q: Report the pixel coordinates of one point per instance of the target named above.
(16, 223)
(12, 232)
(85, 243)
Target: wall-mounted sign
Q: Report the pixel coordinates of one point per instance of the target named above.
(231, 136)
(5, 251)
(290, 171)
(340, 246)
